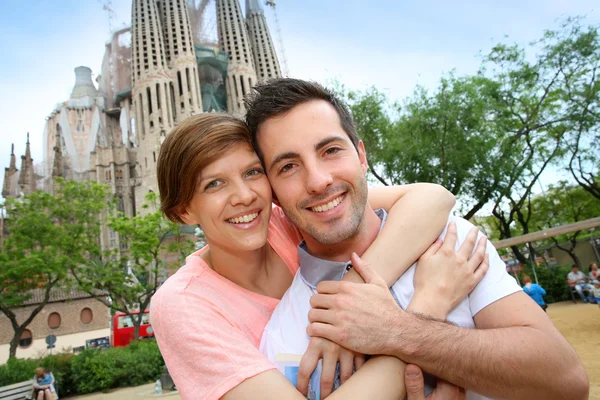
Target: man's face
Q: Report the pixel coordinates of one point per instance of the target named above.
(575, 270)
(316, 173)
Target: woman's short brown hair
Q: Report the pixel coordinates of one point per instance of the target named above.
(192, 145)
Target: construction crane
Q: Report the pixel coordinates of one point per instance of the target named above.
(271, 3)
(107, 6)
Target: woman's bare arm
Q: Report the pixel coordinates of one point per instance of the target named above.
(417, 214)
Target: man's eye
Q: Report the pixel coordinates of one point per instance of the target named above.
(285, 168)
(332, 150)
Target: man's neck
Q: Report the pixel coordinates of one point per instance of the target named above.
(365, 235)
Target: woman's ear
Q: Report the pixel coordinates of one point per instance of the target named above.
(185, 217)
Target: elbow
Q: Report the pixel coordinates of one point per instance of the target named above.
(442, 194)
(576, 384)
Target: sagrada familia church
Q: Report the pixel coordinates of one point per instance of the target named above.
(110, 131)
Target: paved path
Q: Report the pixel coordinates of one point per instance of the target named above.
(132, 393)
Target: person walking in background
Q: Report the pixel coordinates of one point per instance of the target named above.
(535, 291)
(594, 273)
(577, 279)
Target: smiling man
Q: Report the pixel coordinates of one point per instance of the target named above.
(317, 167)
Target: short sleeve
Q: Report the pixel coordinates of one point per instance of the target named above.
(497, 283)
(207, 356)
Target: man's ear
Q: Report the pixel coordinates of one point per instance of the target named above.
(362, 156)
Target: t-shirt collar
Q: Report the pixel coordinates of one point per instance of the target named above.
(314, 270)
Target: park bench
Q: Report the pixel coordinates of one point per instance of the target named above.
(16, 391)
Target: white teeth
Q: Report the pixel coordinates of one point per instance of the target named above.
(243, 219)
(328, 206)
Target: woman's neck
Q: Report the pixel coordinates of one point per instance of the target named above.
(247, 269)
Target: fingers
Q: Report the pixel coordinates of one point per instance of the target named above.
(414, 382)
(320, 329)
(366, 272)
(450, 239)
(308, 363)
(329, 287)
(432, 249)
(445, 390)
(478, 256)
(481, 270)
(359, 361)
(323, 301)
(469, 244)
(319, 315)
(346, 364)
(328, 373)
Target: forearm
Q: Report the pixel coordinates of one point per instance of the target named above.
(381, 377)
(504, 362)
(414, 221)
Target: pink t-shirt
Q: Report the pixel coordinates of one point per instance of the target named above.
(209, 329)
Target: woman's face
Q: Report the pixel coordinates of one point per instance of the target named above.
(232, 202)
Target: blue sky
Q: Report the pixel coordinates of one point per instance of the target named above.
(391, 44)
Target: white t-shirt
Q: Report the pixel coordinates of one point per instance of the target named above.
(575, 277)
(286, 331)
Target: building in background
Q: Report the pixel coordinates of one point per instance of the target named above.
(74, 317)
(178, 58)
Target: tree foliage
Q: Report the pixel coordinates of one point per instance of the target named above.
(47, 236)
(132, 277)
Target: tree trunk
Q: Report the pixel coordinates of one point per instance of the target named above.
(136, 327)
(14, 344)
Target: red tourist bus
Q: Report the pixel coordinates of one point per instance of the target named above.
(122, 328)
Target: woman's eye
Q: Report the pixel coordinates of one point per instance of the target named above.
(254, 172)
(212, 184)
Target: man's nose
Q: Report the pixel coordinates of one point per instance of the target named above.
(317, 179)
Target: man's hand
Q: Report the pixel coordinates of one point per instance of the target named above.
(331, 353)
(446, 277)
(347, 313)
(415, 387)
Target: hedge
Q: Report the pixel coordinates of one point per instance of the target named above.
(93, 370)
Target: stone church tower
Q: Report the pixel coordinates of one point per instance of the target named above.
(234, 39)
(266, 64)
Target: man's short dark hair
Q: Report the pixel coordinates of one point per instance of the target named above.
(574, 266)
(278, 96)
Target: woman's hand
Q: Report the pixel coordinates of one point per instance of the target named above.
(331, 353)
(444, 277)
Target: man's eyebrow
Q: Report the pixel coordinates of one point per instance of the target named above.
(328, 140)
(283, 156)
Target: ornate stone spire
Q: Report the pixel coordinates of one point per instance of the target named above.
(266, 63)
(234, 39)
(181, 57)
(27, 176)
(7, 188)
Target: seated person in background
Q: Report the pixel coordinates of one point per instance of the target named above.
(535, 291)
(594, 273)
(596, 292)
(42, 383)
(577, 279)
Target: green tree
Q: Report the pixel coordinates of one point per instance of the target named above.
(560, 205)
(131, 278)
(47, 236)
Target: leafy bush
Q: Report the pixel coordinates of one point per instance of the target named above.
(94, 369)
